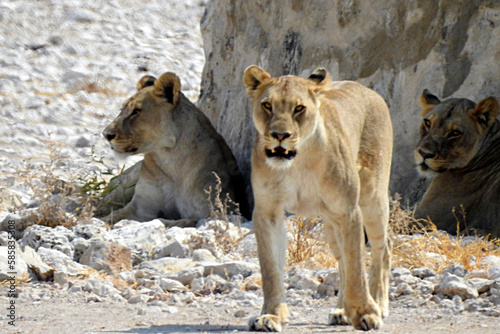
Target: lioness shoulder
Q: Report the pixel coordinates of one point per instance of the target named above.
(321, 148)
(182, 154)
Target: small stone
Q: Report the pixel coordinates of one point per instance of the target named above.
(80, 245)
(61, 278)
(83, 142)
(452, 285)
(305, 279)
(397, 272)
(404, 289)
(474, 305)
(21, 268)
(495, 296)
(482, 285)
(94, 298)
(408, 279)
(424, 287)
(240, 314)
(73, 79)
(231, 268)
(107, 256)
(141, 238)
(167, 264)
(138, 299)
(58, 238)
(61, 262)
(187, 276)
(93, 228)
(171, 285)
(455, 269)
(56, 40)
(80, 15)
(174, 249)
(423, 272)
(203, 255)
(494, 272)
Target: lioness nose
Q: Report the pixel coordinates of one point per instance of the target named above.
(426, 155)
(108, 135)
(280, 136)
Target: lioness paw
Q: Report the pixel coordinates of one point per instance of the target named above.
(367, 322)
(337, 317)
(265, 323)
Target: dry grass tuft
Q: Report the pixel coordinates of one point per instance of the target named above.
(307, 244)
(60, 202)
(220, 208)
(418, 243)
(227, 234)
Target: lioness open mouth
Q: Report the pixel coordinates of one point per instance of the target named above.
(280, 152)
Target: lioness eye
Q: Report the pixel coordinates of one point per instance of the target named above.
(427, 123)
(455, 133)
(135, 112)
(267, 106)
(299, 109)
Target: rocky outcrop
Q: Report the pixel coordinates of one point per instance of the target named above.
(398, 48)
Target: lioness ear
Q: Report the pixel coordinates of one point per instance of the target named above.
(486, 111)
(253, 78)
(145, 81)
(428, 101)
(318, 75)
(168, 86)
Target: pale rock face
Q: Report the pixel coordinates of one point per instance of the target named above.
(397, 48)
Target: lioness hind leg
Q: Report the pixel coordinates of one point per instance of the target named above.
(271, 246)
(375, 208)
(337, 316)
(381, 264)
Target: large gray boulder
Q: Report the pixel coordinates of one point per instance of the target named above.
(398, 48)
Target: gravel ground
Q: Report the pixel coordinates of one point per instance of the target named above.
(68, 313)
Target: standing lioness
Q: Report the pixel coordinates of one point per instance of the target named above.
(182, 153)
(322, 148)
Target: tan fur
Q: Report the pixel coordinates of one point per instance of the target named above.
(459, 147)
(182, 151)
(338, 138)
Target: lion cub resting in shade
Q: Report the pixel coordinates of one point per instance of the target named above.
(322, 148)
(182, 153)
(460, 147)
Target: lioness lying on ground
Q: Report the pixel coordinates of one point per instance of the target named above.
(182, 153)
(324, 148)
(460, 146)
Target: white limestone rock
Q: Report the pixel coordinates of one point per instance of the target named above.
(452, 285)
(141, 238)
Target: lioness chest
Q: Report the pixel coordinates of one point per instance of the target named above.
(304, 188)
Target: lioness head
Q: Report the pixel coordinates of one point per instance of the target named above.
(145, 121)
(285, 111)
(452, 131)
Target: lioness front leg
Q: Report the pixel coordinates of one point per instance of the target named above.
(337, 316)
(145, 205)
(359, 306)
(271, 244)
